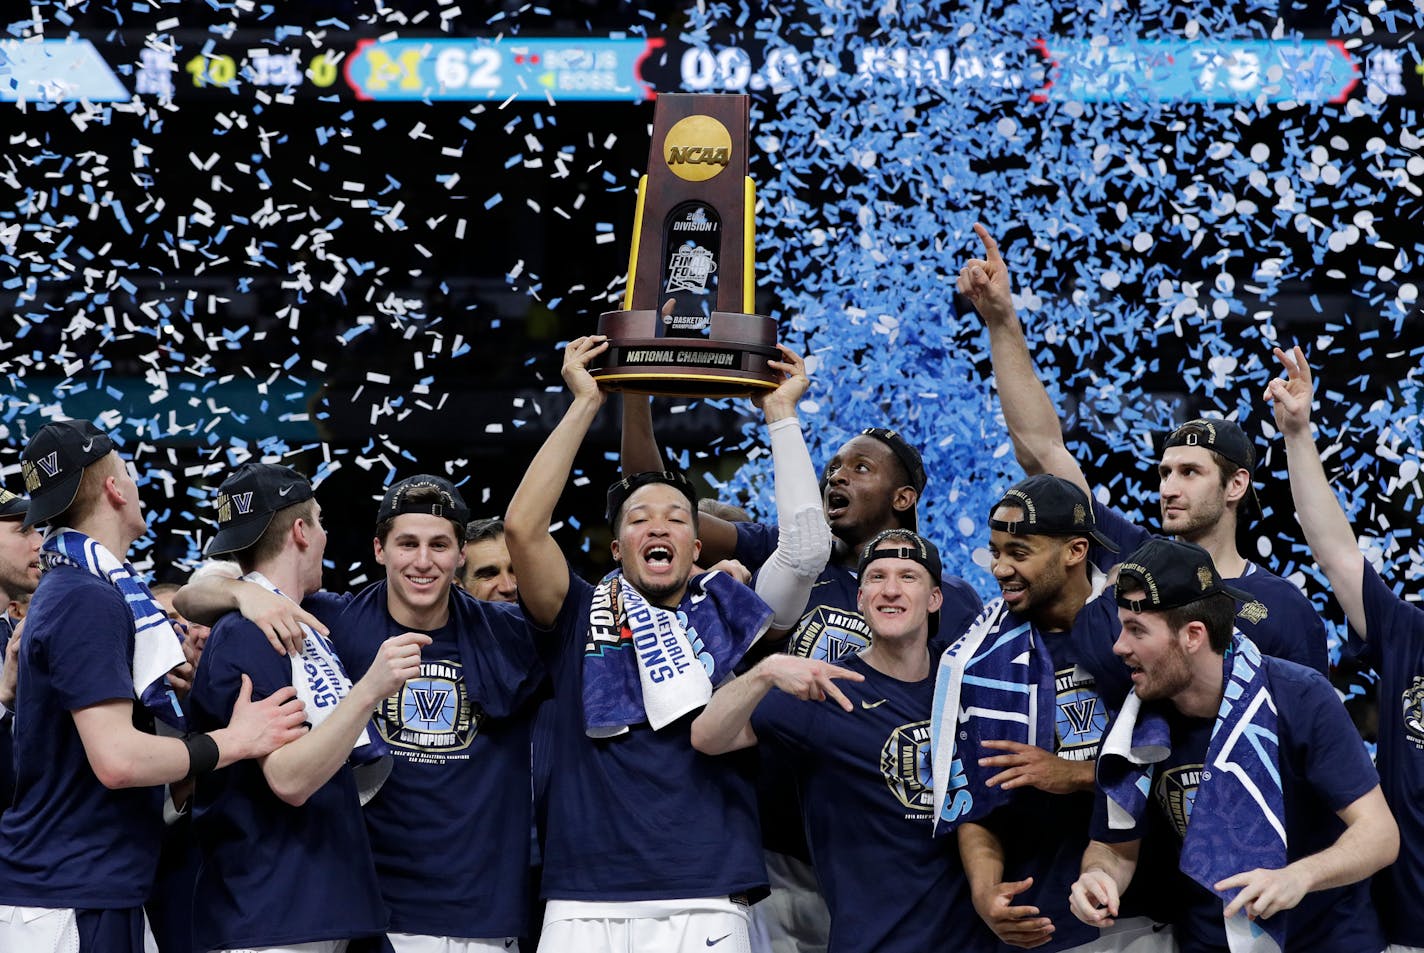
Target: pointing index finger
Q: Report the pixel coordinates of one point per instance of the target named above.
(991, 247)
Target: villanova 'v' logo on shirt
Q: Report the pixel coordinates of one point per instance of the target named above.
(432, 716)
(1080, 715)
(430, 703)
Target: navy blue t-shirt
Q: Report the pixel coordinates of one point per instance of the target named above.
(1280, 620)
(643, 816)
(450, 827)
(272, 874)
(1324, 768)
(831, 627)
(68, 841)
(865, 789)
(1044, 835)
(1395, 648)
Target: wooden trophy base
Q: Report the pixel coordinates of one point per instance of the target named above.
(729, 362)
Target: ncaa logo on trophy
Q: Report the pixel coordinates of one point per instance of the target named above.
(686, 328)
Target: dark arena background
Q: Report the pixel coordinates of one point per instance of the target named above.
(353, 237)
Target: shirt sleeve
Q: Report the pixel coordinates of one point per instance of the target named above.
(327, 606)
(561, 641)
(1124, 533)
(89, 643)
(1392, 625)
(1324, 740)
(785, 720)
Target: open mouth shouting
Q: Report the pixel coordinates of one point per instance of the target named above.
(837, 502)
(658, 557)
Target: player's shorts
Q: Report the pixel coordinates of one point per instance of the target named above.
(49, 930)
(1133, 935)
(420, 943)
(713, 925)
(319, 946)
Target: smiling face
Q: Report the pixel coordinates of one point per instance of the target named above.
(657, 542)
(1031, 570)
(1153, 652)
(865, 490)
(489, 572)
(896, 598)
(421, 555)
(1194, 496)
(19, 559)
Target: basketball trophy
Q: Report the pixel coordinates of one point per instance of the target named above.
(686, 328)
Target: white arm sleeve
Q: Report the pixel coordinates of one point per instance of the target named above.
(804, 542)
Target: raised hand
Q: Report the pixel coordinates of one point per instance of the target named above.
(781, 402)
(577, 356)
(397, 661)
(1290, 398)
(809, 679)
(985, 281)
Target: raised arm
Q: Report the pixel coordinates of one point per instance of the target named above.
(1030, 416)
(297, 771)
(1327, 529)
(804, 539)
(725, 724)
(1369, 843)
(538, 562)
(638, 448)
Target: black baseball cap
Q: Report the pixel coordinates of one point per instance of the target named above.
(619, 492)
(53, 463)
(1171, 573)
(447, 502)
(902, 544)
(13, 506)
(1052, 506)
(1223, 436)
(908, 456)
(249, 498)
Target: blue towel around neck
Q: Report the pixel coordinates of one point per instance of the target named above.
(720, 618)
(1238, 817)
(995, 683)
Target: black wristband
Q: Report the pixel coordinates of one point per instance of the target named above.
(202, 754)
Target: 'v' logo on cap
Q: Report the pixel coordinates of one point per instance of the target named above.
(243, 502)
(49, 463)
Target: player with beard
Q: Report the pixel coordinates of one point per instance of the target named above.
(651, 845)
(1386, 629)
(1242, 770)
(1205, 471)
(1015, 784)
